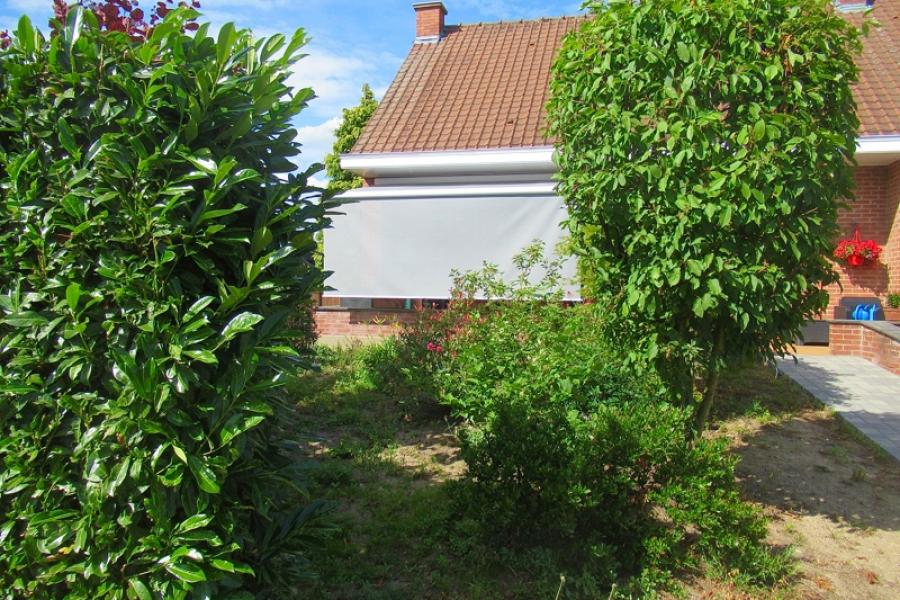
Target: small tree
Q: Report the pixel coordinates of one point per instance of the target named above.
(353, 121)
(704, 149)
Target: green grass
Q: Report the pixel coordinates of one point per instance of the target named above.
(755, 392)
(402, 535)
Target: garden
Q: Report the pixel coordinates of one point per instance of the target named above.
(169, 427)
(499, 450)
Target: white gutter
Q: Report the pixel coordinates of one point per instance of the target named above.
(878, 144)
(874, 150)
(871, 150)
(459, 162)
(418, 192)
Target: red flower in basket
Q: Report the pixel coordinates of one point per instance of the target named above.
(856, 252)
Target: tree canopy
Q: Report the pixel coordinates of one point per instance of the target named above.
(705, 147)
(352, 123)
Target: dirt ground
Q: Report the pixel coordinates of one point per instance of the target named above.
(835, 499)
(830, 493)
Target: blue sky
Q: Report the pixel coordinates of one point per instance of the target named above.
(353, 42)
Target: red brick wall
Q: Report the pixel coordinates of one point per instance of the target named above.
(430, 20)
(851, 339)
(875, 213)
(356, 322)
(892, 216)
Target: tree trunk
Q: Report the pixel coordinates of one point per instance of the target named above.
(712, 384)
(679, 381)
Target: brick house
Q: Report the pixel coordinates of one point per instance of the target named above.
(458, 169)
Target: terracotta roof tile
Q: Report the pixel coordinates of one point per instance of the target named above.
(474, 89)
(878, 91)
(486, 85)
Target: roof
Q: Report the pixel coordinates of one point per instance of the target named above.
(486, 86)
(878, 92)
(481, 86)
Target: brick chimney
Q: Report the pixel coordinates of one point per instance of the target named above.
(429, 21)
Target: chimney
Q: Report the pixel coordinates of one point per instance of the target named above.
(429, 21)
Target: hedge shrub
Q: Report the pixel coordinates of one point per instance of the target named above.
(619, 490)
(154, 239)
(573, 454)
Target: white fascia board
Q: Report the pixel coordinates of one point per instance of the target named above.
(418, 192)
(458, 162)
(874, 150)
(878, 144)
(878, 149)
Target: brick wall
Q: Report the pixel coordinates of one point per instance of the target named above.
(892, 216)
(854, 339)
(875, 213)
(356, 322)
(430, 20)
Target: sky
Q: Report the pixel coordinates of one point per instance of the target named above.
(352, 42)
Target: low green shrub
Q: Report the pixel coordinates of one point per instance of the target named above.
(504, 339)
(570, 447)
(572, 451)
(619, 486)
(528, 350)
(153, 244)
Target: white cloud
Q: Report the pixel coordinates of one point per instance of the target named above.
(317, 140)
(338, 78)
(318, 181)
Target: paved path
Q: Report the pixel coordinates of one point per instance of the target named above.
(863, 393)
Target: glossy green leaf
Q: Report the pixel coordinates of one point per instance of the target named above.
(188, 572)
(139, 590)
(194, 522)
(204, 356)
(74, 25)
(242, 323)
(67, 136)
(205, 476)
(73, 295)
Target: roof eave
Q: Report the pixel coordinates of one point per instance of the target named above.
(538, 159)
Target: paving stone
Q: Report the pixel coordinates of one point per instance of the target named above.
(861, 392)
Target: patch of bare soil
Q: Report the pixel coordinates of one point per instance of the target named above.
(835, 499)
(429, 450)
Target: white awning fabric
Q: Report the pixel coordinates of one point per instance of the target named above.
(403, 242)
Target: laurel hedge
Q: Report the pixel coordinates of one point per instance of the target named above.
(155, 236)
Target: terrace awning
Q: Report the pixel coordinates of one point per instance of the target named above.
(404, 241)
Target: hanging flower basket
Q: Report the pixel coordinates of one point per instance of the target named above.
(856, 252)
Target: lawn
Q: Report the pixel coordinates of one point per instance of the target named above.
(389, 465)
